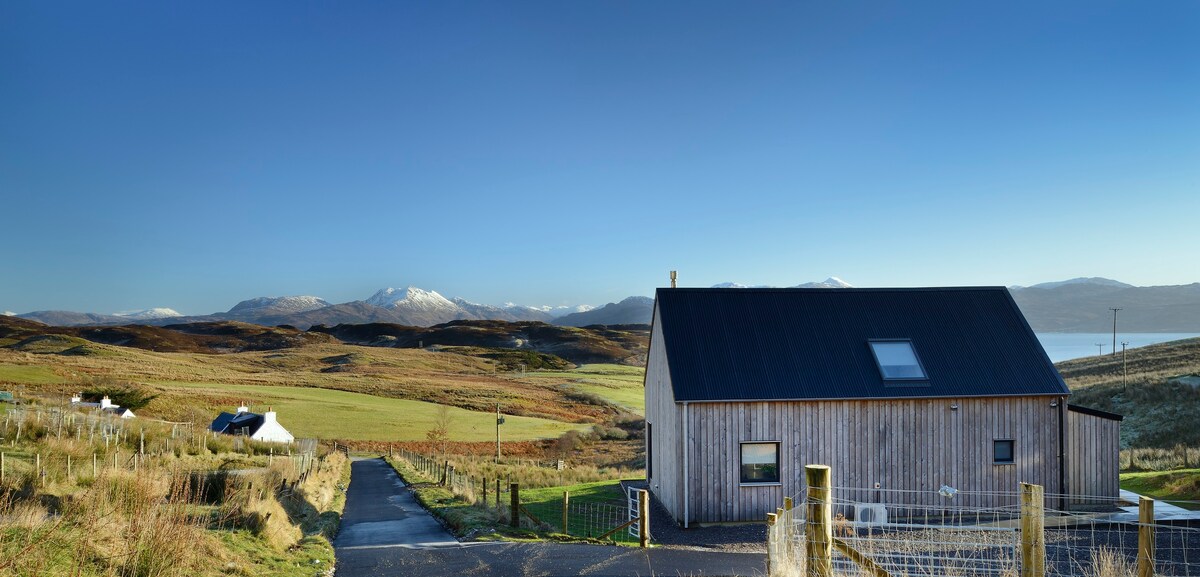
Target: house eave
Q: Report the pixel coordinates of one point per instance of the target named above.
(920, 398)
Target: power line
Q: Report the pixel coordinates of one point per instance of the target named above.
(1114, 348)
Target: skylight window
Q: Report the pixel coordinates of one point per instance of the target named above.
(898, 361)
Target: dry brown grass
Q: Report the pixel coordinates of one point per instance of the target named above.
(440, 377)
(1107, 562)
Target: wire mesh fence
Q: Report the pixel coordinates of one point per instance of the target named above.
(611, 519)
(857, 531)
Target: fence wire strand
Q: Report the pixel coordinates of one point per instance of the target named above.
(929, 534)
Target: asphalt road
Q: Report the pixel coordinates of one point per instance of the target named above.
(385, 533)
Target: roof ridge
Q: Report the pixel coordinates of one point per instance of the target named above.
(837, 289)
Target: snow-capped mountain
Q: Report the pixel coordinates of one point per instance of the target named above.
(831, 282)
(280, 305)
(149, 314)
(508, 312)
(417, 306)
(410, 298)
(553, 312)
(9, 314)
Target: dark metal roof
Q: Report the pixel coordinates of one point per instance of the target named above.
(1095, 412)
(230, 423)
(222, 421)
(779, 344)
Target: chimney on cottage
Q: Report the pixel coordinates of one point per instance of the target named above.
(106, 402)
(269, 416)
(76, 398)
(243, 409)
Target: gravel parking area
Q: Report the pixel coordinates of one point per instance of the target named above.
(740, 538)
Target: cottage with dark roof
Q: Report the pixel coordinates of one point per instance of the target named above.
(264, 427)
(895, 389)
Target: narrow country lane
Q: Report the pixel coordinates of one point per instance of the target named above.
(386, 533)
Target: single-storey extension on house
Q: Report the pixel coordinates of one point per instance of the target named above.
(105, 406)
(895, 389)
(264, 427)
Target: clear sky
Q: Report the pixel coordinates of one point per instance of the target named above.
(192, 154)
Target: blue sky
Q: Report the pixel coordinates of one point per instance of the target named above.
(192, 154)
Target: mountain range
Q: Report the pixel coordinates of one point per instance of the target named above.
(1074, 305)
(409, 306)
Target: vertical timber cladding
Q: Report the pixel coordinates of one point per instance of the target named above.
(664, 414)
(1093, 463)
(902, 444)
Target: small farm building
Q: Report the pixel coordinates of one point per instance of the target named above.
(105, 406)
(264, 427)
(898, 390)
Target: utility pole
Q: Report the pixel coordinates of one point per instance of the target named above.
(1114, 349)
(1101, 345)
(499, 421)
(1124, 369)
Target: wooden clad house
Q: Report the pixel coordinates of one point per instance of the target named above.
(895, 389)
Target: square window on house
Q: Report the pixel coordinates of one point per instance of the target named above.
(897, 360)
(1003, 452)
(760, 463)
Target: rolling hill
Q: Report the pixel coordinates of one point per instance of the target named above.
(1160, 409)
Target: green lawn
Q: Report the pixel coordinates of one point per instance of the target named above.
(618, 384)
(546, 504)
(34, 375)
(1180, 487)
(330, 414)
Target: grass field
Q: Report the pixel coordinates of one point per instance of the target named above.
(36, 375)
(340, 391)
(331, 414)
(1159, 413)
(1181, 487)
(617, 384)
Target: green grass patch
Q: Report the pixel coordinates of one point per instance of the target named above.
(1181, 487)
(309, 412)
(33, 375)
(603, 500)
(618, 385)
(252, 555)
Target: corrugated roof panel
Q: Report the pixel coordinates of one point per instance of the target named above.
(756, 344)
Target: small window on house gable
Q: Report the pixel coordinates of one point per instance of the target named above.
(897, 360)
(760, 463)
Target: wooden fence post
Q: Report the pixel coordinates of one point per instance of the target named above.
(1145, 556)
(1033, 531)
(789, 529)
(644, 518)
(566, 501)
(772, 541)
(68, 466)
(2, 465)
(514, 500)
(818, 531)
(93, 464)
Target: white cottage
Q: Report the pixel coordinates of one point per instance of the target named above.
(264, 427)
(105, 405)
